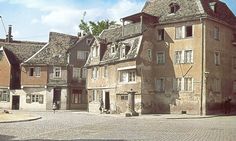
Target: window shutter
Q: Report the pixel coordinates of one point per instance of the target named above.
(8, 97)
(28, 98)
(40, 99)
(0, 96)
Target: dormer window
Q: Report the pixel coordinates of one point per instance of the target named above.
(113, 48)
(124, 51)
(213, 6)
(88, 41)
(174, 7)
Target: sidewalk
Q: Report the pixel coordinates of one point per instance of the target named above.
(17, 117)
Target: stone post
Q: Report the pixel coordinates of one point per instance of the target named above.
(131, 105)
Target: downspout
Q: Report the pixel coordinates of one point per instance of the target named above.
(203, 66)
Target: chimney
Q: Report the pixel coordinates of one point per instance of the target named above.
(9, 35)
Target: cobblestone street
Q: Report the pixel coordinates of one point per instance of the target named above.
(84, 126)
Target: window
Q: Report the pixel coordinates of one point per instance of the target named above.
(160, 58)
(88, 41)
(76, 97)
(161, 33)
(174, 7)
(128, 76)
(178, 57)
(105, 71)
(234, 87)
(37, 71)
(188, 56)
(34, 71)
(177, 84)
(4, 96)
(217, 58)
(31, 71)
(34, 98)
(57, 72)
(113, 48)
(160, 85)
(95, 73)
(188, 84)
(216, 33)
(95, 51)
(124, 97)
(124, 51)
(234, 62)
(149, 54)
(183, 32)
(83, 55)
(216, 85)
(84, 73)
(76, 73)
(94, 98)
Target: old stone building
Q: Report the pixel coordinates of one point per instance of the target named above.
(36, 75)
(178, 56)
(12, 54)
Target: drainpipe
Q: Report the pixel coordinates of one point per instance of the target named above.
(203, 66)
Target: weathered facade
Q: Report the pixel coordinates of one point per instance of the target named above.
(54, 73)
(12, 53)
(36, 75)
(178, 56)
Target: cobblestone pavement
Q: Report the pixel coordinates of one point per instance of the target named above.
(84, 126)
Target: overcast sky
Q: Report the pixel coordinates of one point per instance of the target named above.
(34, 19)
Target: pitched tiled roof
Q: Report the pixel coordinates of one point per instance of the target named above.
(111, 34)
(19, 51)
(82, 41)
(188, 10)
(55, 51)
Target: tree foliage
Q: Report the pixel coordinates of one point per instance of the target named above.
(95, 27)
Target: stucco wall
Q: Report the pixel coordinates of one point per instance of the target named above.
(5, 72)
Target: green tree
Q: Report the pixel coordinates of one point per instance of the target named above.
(96, 27)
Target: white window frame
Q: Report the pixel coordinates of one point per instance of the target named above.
(217, 58)
(161, 34)
(113, 48)
(37, 71)
(127, 76)
(188, 59)
(122, 52)
(84, 73)
(105, 75)
(161, 57)
(178, 57)
(55, 71)
(188, 84)
(5, 96)
(34, 98)
(181, 32)
(177, 84)
(95, 72)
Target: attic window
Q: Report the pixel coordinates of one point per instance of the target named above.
(113, 48)
(174, 7)
(88, 41)
(213, 6)
(124, 51)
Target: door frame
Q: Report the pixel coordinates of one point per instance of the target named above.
(14, 105)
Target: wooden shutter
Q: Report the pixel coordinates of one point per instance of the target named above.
(8, 97)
